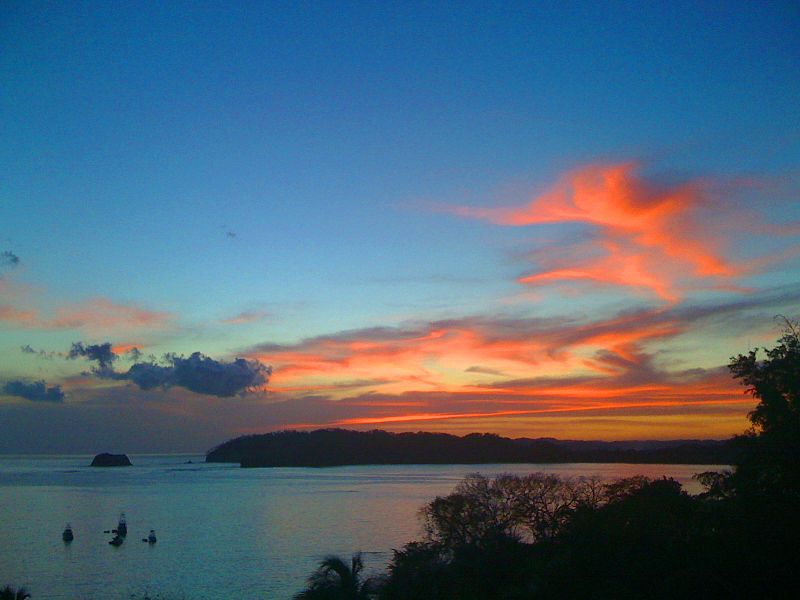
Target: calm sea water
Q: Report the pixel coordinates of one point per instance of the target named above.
(223, 532)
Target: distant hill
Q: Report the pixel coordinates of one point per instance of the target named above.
(335, 447)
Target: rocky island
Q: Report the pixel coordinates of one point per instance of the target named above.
(111, 460)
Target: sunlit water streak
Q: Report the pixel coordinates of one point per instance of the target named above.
(222, 531)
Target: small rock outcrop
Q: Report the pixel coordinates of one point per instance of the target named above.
(111, 460)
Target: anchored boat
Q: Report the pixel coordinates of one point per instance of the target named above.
(122, 526)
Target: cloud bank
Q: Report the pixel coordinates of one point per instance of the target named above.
(197, 372)
(36, 391)
(201, 374)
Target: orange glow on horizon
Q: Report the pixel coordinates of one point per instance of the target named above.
(421, 417)
(123, 348)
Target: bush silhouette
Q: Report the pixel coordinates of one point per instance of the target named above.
(334, 579)
(10, 593)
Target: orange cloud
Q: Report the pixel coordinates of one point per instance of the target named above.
(419, 417)
(442, 356)
(102, 313)
(486, 369)
(649, 236)
(123, 348)
(19, 317)
(96, 315)
(719, 414)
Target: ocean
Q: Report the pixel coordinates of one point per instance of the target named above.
(223, 532)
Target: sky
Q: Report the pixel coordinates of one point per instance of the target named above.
(550, 219)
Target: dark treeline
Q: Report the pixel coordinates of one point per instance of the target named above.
(542, 537)
(332, 447)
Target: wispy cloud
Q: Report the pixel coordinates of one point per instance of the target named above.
(102, 313)
(47, 354)
(645, 234)
(483, 370)
(94, 315)
(18, 316)
(245, 317)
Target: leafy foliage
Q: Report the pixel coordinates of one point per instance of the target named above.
(769, 458)
(334, 579)
(775, 381)
(527, 536)
(10, 593)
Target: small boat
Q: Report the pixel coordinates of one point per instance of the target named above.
(151, 539)
(122, 526)
(67, 536)
(117, 541)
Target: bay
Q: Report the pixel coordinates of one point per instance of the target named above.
(223, 531)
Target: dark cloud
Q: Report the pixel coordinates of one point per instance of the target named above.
(101, 353)
(205, 375)
(483, 370)
(48, 354)
(8, 259)
(197, 373)
(148, 375)
(134, 354)
(35, 392)
(200, 374)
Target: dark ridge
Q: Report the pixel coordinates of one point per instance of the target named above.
(111, 460)
(337, 447)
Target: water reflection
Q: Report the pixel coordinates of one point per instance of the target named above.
(253, 532)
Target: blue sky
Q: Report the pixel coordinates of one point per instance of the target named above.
(330, 139)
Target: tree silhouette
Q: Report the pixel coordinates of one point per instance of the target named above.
(775, 381)
(9, 593)
(334, 579)
(769, 460)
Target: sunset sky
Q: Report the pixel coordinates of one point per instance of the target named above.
(545, 219)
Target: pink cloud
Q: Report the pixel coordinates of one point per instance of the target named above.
(106, 314)
(19, 317)
(648, 236)
(97, 314)
(245, 317)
